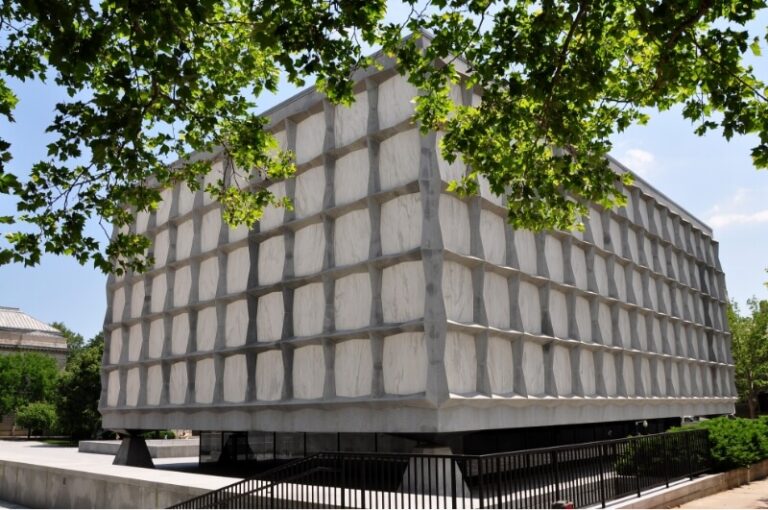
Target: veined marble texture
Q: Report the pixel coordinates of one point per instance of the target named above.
(381, 302)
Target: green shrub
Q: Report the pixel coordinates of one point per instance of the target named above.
(735, 442)
(653, 456)
(37, 417)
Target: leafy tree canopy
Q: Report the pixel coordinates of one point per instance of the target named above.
(37, 416)
(749, 345)
(75, 341)
(149, 82)
(26, 378)
(77, 403)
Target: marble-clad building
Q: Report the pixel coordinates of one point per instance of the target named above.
(383, 303)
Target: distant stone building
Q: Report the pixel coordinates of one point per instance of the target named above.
(20, 332)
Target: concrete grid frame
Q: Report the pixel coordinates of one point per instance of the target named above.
(383, 303)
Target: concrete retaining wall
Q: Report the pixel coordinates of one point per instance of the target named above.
(158, 448)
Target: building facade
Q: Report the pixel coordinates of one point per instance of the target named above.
(381, 303)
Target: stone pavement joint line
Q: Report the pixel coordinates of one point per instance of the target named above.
(752, 495)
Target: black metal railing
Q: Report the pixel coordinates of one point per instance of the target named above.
(586, 474)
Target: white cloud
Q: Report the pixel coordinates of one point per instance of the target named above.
(639, 161)
(728, 219)
(743, 207)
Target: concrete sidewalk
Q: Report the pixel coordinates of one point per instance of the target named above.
(753, 495)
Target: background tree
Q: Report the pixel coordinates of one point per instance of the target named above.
(77, 403)
(37, 417)
(152, 82)
(26, 378)
(75, 341)
(749, 345)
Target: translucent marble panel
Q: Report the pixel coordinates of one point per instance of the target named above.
(533, 368)
(405, 363)
(609, 374)
(662, 266)
(488, 194)
(309, 310)
(553, 252)
(156, 338)
(496, 298)
(601, 275)
(211, 228)
(492, 236)
(270, 313)
(205, 381)
(209, 279)
(311, 132)
(615, 233)
(351, 177)
(237, 233)
(596, 227)
(605, 322)
(160, 248)
(308, 372)
(154, 384)
(401, 224)
(587, 372)
(525, 246)
(457, 294)
(350, 123)
(624, 331)
(652, 294)
(402, 291)
(113, 388)
(454, 224)
(159, 291)
(238, 266)
(177, 386)
(620, 280)
(648, 250)
(501, 366)
(661, 380)
(310, 190)
(562, 369)
(530, 307)
(236, 325)
(353, 369)
(633, 248)
(558, 314)
(142, 220)
(352, 301)
(642, 206)
(115, 345)
(118, 304)
(460, 362)
(583, 319)
(273, 216)
(666, 297)
(271, 260)
(675, 388)
(637, 287)
(182, 284)
(180, 333)
(207, 326)
(309, 249)
(212, 178)
(269, 375)
(137, 299)
(135, 341)
(235, 377)
(642, 332)
(579, 266)
(399, 157)
(656, 332)
(351, 241)
(448, 171)
(628, 372)
(395, 101)
(645, 376)
(185, 236)
(164, 207)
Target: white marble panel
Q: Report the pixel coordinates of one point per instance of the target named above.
(271, 260)
(624, 330)
(493, 238)
(269, 375)
(352, 301)
(501, 366)
(587, 372)
(609, 374)
(553, 252)
(449, 171)
(160, 248)
(273, 216)
(525, 246)
(619, 278)
(351, 240)
(671, 340)
(666, 297)
(645, 376)
(661, 379)
(142, 220)
(211, 228)
(309, 249)
(629, 209)
(645, 218)
(238, 267)
(558, 313)
(488, 194)
(675, 387)
(657, 338)
(237, 233)
(236, 324)
(135, 340)
(353, 368)
(579, 266)
(351, 175)
(159, 291)
(308, 372)
(401, 220)
(686, 378)
(205, 381)
(533, 368)
(311, 135)
(118, 304)
(399, 157)
(628, 372)
(642, 332)
(113, 388)
(308, 310)
(164, 207)
(180, 333)
(207, 326)
(662, 266)
(351, 122)
(185, 236)
(405, 363)
(615, 233)
(460, 362)
(137, 299)
(561, 366)
(637, 287)
(154, 384)
(583, 319)
(605, 322)
(396, 101)
(235, 378)
(156, 338)
(402, 291)
(596, 227)
(454, 224)
(182, 284)
(496, 298)
(177, 386)
(310, 190)
(675, 274)
(216, 173)
(209, 279)
(653, 305)
(270, 314)
(601, 275)
(529, 304)
(647, 248)
(634, 251)
(457, 293)
(115, 345)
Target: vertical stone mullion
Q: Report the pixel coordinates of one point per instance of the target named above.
(594, 316)
(568, 275)
(288, 273)
(483, 382)
(515, 319)
(329, 283)
(600, 388)
(518, 374)
(550, 384)
(577, 387)
(621, 386)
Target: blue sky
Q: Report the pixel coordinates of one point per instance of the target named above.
(710, 177)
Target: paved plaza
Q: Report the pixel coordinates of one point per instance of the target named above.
(753, 495)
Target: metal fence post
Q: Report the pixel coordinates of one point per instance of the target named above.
(602, 475)
(637, 465)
